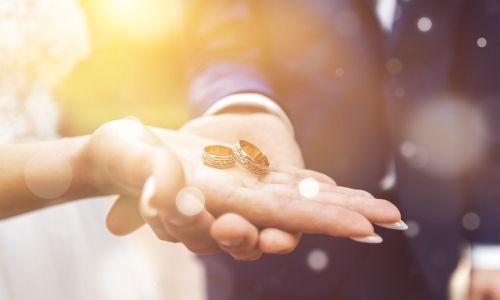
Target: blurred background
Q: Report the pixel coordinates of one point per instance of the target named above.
(134, 67)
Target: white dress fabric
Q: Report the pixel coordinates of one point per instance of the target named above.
(65, 252)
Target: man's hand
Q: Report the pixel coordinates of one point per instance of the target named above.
(276, 140)
(485, 285)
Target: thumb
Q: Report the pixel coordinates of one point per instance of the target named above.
(124, 217)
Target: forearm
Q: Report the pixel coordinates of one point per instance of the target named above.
(41, 174)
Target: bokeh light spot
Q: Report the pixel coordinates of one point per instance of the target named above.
(394, 66)
(148, 20)
(389, 180)
(309, 187)
(424, 24)
(399, 93)
(413, 229)
(339, 72)
(471, 221)
(346, 23)
(448, 137)
(408, 149)
(190, 201)
(48, 175)
(317, 260)
(481, 42)
(415, 155)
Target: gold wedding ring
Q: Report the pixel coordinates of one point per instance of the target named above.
(218, 156)
(251, 158)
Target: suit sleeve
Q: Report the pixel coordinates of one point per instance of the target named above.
(225, 51)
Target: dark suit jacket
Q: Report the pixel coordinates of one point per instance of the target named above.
(352, 94)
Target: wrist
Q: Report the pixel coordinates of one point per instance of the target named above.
(85, 182)
(39, 174)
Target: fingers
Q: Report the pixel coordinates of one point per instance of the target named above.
(190, 223)
(236, 236)
(276, 241)
(242, 240)
(150, 214)
(291, 213)
(182, 209)
(123, 217)
(375, 210)
(195, 236)
(179, 210)
(378, 211)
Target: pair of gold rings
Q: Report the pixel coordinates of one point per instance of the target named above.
(245, 153)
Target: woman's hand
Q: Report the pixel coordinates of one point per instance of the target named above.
(122, 155)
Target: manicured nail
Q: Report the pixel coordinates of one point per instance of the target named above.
(399, 225)
(371, 239)
(231, 243)
(148, 191)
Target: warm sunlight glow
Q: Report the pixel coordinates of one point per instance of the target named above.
(142, 19)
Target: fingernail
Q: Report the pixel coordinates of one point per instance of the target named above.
(231, 243)
(371, 239)
(399, 225)
(148, 191)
